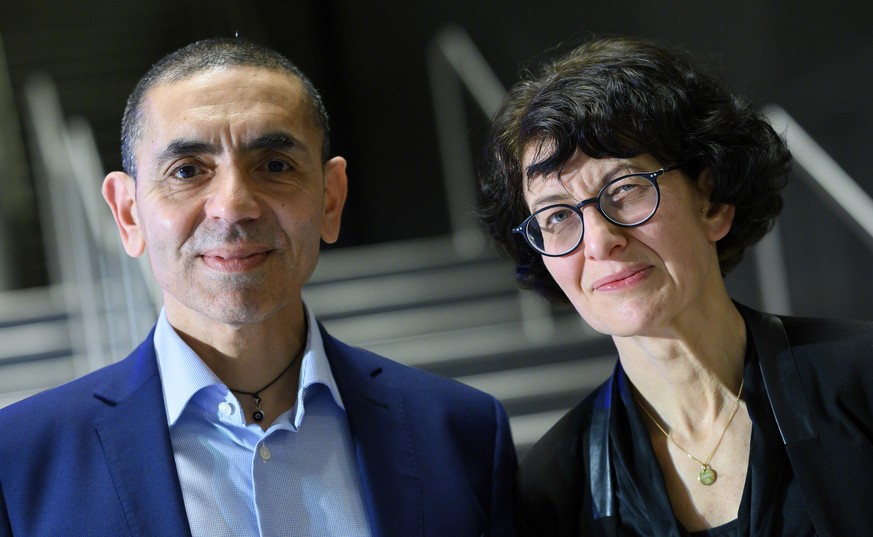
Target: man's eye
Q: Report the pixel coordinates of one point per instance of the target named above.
(188, 171)
(277, 166)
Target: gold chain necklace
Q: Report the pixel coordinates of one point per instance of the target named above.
(707, 475)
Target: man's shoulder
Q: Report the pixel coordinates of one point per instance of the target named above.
(71, 401)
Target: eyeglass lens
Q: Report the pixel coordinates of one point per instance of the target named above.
(627, 201)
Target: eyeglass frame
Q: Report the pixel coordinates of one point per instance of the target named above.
(650, 176)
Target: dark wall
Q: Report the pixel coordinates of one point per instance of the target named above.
(368, 58)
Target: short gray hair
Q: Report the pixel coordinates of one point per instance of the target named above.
(203, 56)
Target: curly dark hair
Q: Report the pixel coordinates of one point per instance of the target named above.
(623, 97)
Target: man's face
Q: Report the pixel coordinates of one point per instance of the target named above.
(231, 196)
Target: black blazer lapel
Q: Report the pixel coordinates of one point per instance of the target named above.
(821, 458)
(383, 442)
(135, 438)
(781, 378)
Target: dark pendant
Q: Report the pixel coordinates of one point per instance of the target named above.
(707, 476)
(258, 415)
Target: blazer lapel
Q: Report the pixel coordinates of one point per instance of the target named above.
(781, 378)
(804, 440)
(383, 441)
(136, 443)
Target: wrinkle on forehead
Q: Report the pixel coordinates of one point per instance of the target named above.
(579, 177)
(226, 108)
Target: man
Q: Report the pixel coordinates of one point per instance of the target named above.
(239, 414)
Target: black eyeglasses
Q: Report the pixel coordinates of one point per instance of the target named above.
(628, 201)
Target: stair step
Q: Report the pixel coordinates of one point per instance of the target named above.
(364, 329)
(397, 257)
(384, 292)
(534, 341)
(24, 378)
(578, 377)
(35, 341)
(27, 305)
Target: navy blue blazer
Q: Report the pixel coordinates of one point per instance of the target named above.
(93, 457)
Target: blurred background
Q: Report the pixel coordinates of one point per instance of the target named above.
(410, 87)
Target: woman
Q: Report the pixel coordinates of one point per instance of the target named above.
(625, 181)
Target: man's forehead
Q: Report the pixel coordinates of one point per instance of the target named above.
(229, 83)
(248, 100)
(175, 77)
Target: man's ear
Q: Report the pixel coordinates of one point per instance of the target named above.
(335, 190)
(119, 191)
(717, 217)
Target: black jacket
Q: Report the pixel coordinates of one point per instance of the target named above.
(818, 375)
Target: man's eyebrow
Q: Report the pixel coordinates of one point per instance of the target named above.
(278, 141)
(181, 147)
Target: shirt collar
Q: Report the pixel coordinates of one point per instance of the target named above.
(183, 373)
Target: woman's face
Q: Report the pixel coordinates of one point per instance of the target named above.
(642, 280)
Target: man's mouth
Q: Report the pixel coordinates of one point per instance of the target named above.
(234, 261)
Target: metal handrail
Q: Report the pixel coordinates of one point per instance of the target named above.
(86, 260)
(16, 198)
(454, 63)
(844, 195)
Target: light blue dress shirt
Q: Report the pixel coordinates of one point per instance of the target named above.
(297, 478)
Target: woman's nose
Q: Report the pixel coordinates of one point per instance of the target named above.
(601, 237)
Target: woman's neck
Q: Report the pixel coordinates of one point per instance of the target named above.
(689, 373)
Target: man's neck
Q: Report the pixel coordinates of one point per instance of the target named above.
(249, 358)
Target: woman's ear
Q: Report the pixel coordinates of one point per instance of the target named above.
(119, 191)
(717, 217)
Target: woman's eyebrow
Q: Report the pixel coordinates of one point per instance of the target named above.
(550, 199)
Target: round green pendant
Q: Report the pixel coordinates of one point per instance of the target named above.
(706, 476)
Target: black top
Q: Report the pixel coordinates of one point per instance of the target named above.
(815, 437)
(772, 503)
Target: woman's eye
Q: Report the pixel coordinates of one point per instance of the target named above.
(558, 217)
(622, 189)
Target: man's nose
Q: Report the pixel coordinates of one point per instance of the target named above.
(233, 196)
(601, 238)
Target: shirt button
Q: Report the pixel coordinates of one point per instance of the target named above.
(264, 452)
(225, 409)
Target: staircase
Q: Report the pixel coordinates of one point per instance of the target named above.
(424, 305)
(35, 349)
(417, 302)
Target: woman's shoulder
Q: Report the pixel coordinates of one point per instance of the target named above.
(550, 476)
(820, 342)
(816, 341)
(811, 330)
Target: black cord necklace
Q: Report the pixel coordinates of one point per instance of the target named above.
(258, 414)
